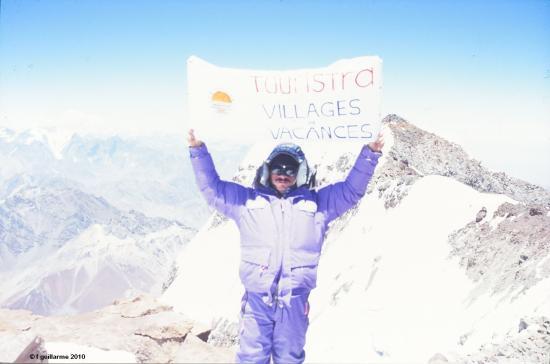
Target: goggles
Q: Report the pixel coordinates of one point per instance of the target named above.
(284, 170)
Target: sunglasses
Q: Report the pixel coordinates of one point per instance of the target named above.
(284, 170)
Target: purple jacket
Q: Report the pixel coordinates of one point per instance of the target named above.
(281, 238)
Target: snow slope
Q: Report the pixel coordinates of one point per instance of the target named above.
(390, 274)
(389, 289)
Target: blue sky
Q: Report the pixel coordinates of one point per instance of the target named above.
(475, 72)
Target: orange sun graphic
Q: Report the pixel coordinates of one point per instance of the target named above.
(220, 96)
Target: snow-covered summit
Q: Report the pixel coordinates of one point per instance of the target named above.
(54, 138)
(395, 280)
(416, 153)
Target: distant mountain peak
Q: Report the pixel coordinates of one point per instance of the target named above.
(416, 153)
(6, 134)
(55, 139)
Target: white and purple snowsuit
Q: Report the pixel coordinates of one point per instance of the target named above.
(281, 240)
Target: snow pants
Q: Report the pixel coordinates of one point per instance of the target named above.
(273, 330)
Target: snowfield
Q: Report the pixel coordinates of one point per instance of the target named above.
(390, 289)
(442, 260)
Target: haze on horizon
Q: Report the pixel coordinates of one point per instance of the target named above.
(475, 73)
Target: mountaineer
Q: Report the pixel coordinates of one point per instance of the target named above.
(282, 222)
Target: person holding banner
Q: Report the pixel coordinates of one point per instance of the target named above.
(282, 222)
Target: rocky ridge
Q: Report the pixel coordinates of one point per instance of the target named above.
(33, 216)
(90, 240)
(529, 343)
(508, 251)
(151, 332)
(416, 153)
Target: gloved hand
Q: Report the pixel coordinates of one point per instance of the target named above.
(378, 144)
(193, 142)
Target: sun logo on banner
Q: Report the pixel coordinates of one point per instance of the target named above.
(221, 101)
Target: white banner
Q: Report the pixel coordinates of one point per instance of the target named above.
(340, 102)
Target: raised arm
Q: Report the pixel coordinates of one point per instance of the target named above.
(335, 199)
(224, 196)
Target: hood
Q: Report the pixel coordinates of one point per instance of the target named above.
(305, 175)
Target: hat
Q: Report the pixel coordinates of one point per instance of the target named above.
(283, 160)
(282, 154)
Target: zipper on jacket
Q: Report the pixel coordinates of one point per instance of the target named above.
(282, 250)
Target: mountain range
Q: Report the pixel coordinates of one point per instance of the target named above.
(442, 261)
(59, 192)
